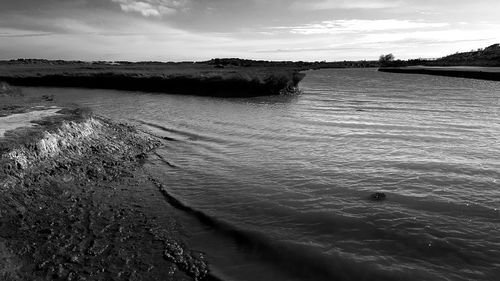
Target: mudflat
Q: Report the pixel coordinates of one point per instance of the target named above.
(77, 204)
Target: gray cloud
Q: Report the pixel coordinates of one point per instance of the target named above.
(346, 4)
(155, 8)
(201, 29)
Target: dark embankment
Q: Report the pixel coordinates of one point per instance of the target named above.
(176, 78)
(77, 204)
(479, 64)
(484, 73)
(487, 57)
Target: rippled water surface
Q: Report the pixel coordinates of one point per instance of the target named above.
(286, 181)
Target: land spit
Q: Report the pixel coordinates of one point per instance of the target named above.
(175, 78)
(475, 72)
(77, 204)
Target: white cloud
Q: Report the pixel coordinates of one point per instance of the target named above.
(356, 26)
(346, 4)
(141, 7)
(152, 8)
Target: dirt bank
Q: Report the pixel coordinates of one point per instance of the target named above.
(76, 204)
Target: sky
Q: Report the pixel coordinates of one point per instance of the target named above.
(298, 30)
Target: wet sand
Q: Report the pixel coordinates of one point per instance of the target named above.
(77, 204)
(21, 120)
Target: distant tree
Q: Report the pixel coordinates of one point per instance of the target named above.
(386, 58)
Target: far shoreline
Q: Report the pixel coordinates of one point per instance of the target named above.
(472, 72)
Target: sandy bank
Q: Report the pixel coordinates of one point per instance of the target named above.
(25, 119)
(76, 204)
(475, 72)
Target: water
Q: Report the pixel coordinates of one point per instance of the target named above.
(280, 185)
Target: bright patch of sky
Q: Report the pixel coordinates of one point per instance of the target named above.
(175, 30)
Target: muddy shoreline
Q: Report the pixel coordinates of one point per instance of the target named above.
(486, 73)
(77, 204)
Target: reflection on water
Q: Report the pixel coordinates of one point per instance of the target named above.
(287, 179)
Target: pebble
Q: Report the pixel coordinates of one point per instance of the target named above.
(378, 196)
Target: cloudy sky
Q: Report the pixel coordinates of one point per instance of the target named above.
(175, 30)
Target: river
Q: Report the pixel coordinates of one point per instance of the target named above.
(285, 181)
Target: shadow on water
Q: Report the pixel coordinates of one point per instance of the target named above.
(294, 259)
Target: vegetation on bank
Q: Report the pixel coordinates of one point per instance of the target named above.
(216, 63)
(227, 77)
(177, 78)
(481, 64)
(487, 57)
(301, 65)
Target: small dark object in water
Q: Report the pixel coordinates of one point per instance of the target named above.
(48, 97)
(377, 196)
